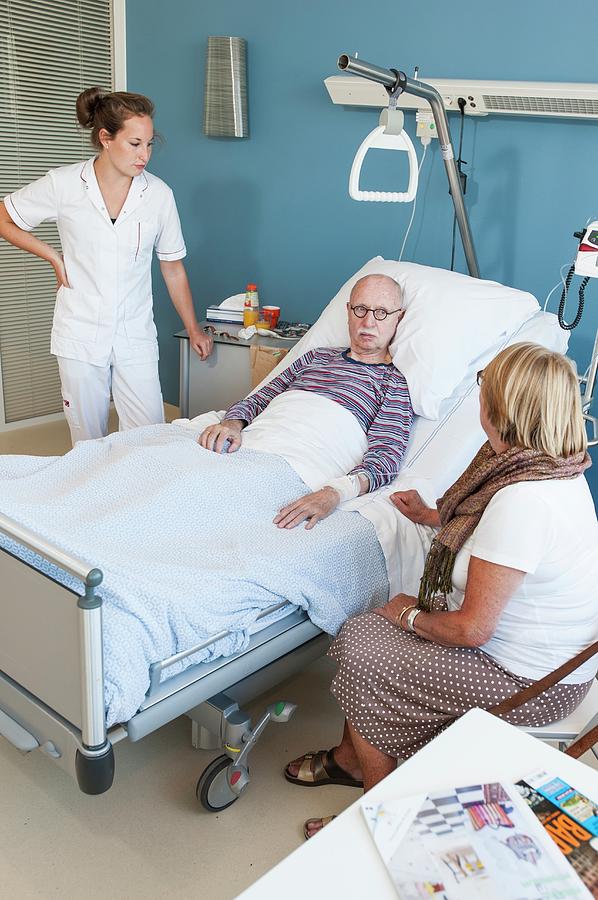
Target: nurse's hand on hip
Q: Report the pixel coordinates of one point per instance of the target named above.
(62, 279)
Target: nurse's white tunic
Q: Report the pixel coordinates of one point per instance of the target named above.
(106, 314)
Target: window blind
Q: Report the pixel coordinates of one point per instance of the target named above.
(50, 50)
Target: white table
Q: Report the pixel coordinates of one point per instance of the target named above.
(342, 860)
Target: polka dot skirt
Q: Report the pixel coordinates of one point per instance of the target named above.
(399, 690)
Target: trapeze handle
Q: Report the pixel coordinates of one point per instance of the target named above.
(378, 139)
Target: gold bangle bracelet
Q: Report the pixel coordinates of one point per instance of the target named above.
(403, 611)
(400, 615)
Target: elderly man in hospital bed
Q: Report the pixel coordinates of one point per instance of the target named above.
(360, 380)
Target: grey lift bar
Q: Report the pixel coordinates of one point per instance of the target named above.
(394, 80)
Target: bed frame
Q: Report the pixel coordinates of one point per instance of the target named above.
(52, 674)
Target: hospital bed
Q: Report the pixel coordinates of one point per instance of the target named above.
(52, 689)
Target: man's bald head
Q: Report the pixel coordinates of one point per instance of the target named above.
(377, 286)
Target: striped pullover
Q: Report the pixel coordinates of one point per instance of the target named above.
(376, 394)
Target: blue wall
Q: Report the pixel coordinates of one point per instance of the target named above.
(275, 209)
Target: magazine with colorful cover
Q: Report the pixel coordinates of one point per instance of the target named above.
(477, 841)
(567, 798)
(578, 845)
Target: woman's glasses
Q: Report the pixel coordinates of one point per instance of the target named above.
(480, 377)
(379, 313)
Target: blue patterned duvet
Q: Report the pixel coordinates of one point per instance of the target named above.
(187, 546)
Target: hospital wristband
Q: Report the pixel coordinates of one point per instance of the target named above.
(348, 487)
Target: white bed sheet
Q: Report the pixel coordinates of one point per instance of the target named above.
(439, 450)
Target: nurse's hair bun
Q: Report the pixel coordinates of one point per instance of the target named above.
(98, 109)
(87, 104)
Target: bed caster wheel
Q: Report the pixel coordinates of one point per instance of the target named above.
(213, 789)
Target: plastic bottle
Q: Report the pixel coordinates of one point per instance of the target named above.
(251, 310)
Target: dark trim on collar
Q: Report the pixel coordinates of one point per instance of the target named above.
(359, 362)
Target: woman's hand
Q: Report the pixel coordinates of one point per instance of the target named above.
(411, 505)
(313, 507)
(393, 609)
(201, 342)
(60, 271)
(177, 285)
(214, 437)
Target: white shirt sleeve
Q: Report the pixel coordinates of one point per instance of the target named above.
(170, 244)
(515, 530)
(33, 204)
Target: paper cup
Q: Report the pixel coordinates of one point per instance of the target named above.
(271, 314)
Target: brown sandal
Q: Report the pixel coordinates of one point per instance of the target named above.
(325, 820)
(314, 772)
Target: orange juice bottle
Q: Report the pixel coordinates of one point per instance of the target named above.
(251, 312)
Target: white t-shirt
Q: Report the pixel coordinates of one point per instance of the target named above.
(547, 529)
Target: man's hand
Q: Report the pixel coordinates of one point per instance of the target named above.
(393, 609)
(201, 342)
(413, 508)
(313, 507)
(215, 436)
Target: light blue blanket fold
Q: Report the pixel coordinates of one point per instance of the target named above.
(186, 543)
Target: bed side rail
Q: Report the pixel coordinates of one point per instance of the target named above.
(158, 667)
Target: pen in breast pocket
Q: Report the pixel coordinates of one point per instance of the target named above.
(138, 239)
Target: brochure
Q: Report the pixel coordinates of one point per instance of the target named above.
(572, 802)
(578, 845)
(476, 841)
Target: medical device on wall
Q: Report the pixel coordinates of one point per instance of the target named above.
(511, 98)
(396, 84)
(389, 135)
(586, 267)
(586, 262)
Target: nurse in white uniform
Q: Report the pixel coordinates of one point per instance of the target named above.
(111, 215)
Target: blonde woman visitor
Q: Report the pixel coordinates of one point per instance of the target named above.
(508, 593)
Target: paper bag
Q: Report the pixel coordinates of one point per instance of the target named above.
(263, 360)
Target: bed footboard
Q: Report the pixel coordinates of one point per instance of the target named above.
(51, 664)
(52, 673)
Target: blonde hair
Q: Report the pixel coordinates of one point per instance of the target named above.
(532, 398)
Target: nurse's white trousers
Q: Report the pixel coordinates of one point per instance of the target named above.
(86, 396)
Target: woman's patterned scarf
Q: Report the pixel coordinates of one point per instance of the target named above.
(462, 506)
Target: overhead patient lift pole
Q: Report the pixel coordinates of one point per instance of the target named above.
(395, 81)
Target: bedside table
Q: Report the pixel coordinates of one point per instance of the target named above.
(226, 376)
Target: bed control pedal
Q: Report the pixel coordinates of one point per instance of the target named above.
(226, 777)
(18, 736)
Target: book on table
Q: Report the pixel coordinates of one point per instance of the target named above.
(475, 841)
(222, 314)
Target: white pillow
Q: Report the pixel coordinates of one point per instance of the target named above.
(450, 320)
